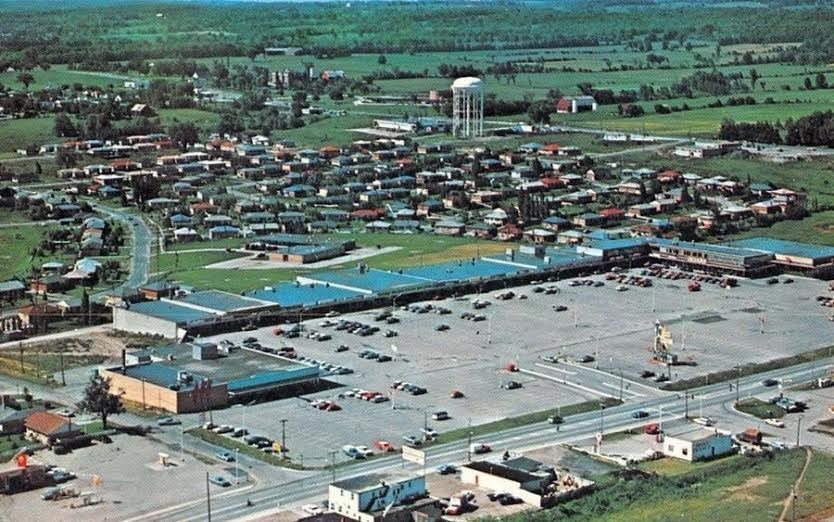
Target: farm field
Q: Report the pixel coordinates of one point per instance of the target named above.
(58, 75)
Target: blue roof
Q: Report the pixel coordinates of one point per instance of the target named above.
(372, 280)
(160, 374)
(170, 311)
(289, 295)
(221, 301)
(271, 378)
(461, 270)
(616, 244)
(783, 247)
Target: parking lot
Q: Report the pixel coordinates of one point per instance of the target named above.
(715, 327)
(125, 474)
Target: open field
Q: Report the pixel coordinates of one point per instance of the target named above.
(16, 134)
(58, 75)
(731, 489)
(816, 229)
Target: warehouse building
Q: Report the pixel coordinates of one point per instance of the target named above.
(710, 258)
(200, 376)
(171, 318)
(298, 249)
(791, 256)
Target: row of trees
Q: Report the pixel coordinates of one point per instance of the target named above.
(814, 130)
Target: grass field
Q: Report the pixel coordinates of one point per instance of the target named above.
(817, 228)
(59, 75)
(735, 488)
(17, 134)
(200, 118)
(761, 409)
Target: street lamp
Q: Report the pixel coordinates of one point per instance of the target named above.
(237, 467)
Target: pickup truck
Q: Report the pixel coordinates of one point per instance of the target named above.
(479, 447)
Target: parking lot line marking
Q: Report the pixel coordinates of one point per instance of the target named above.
(566, 383)
(635, 383)
(617, 387)
(540, 365)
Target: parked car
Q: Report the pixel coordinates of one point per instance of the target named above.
(447, 469)
(775, 422)
(456, 394)
(225, 456)
(511, 385)
(342, 348)
(440, 415)
(220, 480)
(703, 421)
(412, 440)
(168, 421)
(585, 358)
(441, 327)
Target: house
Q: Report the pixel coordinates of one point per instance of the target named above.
(612, 215)
(140, 109)
(496, 217)
(509, 232)
(158, 289)
(574, 104)
(12, 290)
(185, 234)
(555, 223)
(697, 443)
(12, 421)
(449, 228)
(588, 219)
(39, 316)
(540, 236)
(46, 428)
(223, 231)
(50, 284)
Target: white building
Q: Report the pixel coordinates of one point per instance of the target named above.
(365, 498)
(697, 443)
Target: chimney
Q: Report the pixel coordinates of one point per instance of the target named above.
(124, 361)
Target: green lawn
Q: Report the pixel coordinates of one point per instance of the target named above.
(201, 118)
(675, 467)
(761, 409)
(59, 75)
(17, 134)
(817, 229)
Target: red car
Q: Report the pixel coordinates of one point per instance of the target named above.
(456, 394)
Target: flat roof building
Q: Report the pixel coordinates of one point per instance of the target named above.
(181, 378)
(712, 258)
(366, 497)
(815, 260)
(697, 443)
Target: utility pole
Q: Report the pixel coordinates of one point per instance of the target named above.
(208, 496)
(601, 418)
(686, 402)
(63, 378)
(333, 464)
(283, 435)
(798, 428)
(469, 440)
(20, 346)
(738, 376)
(621, 384)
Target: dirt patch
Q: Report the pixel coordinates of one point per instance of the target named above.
(744, 491)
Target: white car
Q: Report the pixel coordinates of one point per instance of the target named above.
(622, 288)
(365, 451)
(775, 422)
(312, 509)
(703, 421)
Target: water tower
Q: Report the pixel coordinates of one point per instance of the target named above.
(468, 107)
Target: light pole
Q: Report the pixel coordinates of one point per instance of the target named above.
(798, 428)
(182, 438)
(237, 468)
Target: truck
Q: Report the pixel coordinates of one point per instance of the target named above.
(751, 436)
(479, 447)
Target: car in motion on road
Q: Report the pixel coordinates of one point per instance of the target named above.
(412, 440)
(640, 414)
(168, 421)
(225, 456)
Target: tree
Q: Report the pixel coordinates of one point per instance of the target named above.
(99, 400)
(821, 81)
(64, 126)
(382, 60)
(184, 134)
(754, 77)
(66, 157)
(85, 307)
(26, 79)
(807, 84)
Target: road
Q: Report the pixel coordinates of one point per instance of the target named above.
(142, 237)
(267, 497)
